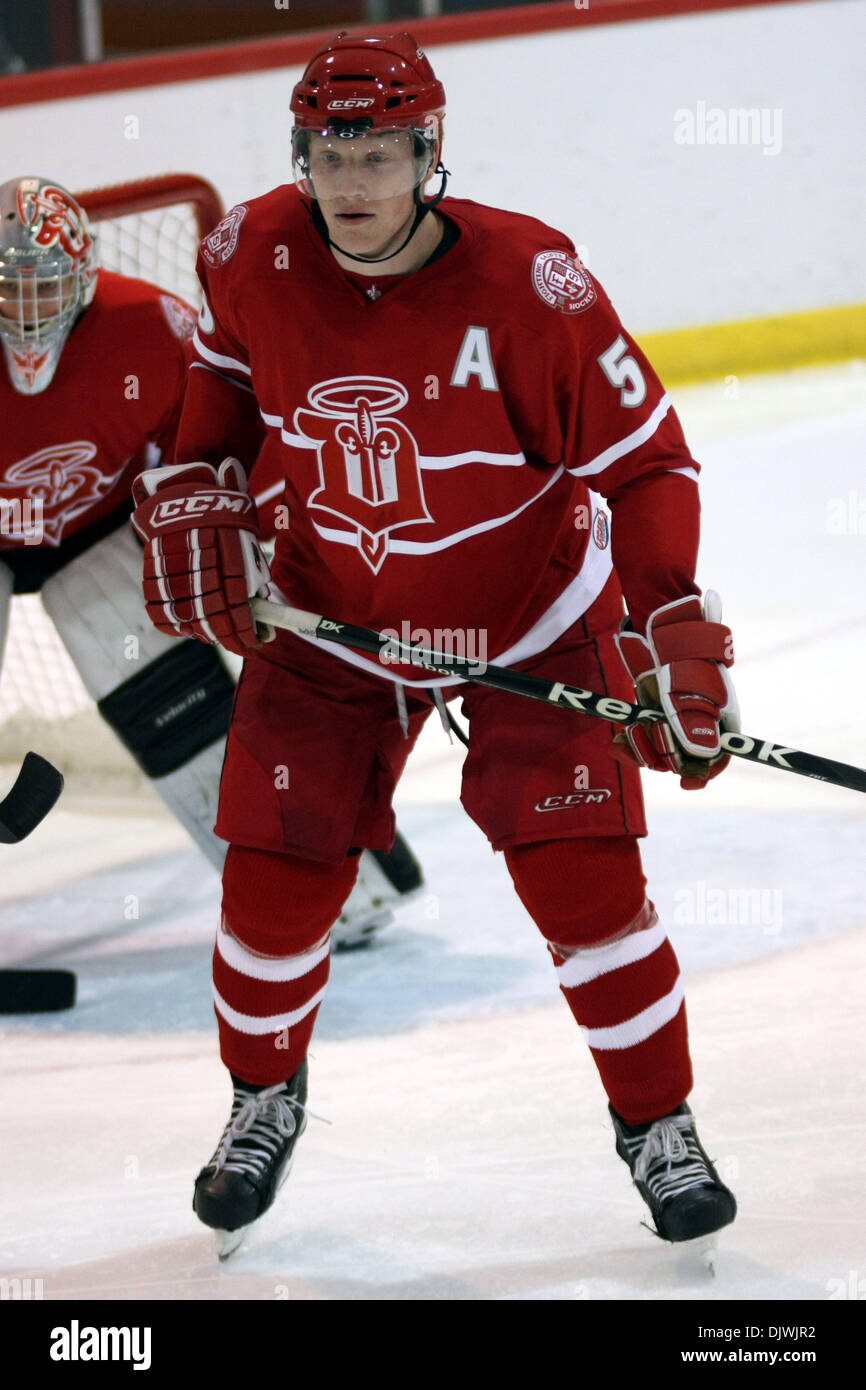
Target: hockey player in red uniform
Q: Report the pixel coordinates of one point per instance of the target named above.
(443, 383)
(95, 365)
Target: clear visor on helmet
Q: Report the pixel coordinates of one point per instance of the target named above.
(353, 165)
(38, 302)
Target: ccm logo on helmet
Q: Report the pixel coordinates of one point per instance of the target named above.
(172, 509)
(350, 103)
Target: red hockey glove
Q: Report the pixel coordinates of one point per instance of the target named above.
(679, 667)
(202, 558)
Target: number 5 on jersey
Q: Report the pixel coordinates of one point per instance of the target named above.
(623, 371)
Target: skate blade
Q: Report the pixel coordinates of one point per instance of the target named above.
(707, 1250)
(700, 1253)
(228, 1241)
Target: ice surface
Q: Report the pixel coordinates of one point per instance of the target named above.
(469, 1155)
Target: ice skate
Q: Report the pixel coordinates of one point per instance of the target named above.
(674, 1176)
(252, 1159)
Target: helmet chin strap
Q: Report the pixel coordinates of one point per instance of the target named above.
(422, 209)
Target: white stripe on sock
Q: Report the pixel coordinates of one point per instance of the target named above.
(273, 969)
(640, 1027)
(272, 1023)
(588, 964)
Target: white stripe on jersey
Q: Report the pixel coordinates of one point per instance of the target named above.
(438, 461)
(217, 358)
(297, 441)
(400, 547)
(273, 491)
(625, 446)
(565, 610)
(471, 456)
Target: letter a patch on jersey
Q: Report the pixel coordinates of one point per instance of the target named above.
(474, 359)
(368, 460)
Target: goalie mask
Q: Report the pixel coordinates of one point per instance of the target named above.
(47, 276)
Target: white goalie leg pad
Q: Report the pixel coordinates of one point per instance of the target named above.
(7, 585)
(192, 794)
(96, 604)
(367, 908)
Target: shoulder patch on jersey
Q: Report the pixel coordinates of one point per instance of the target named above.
(562, 282)
(221, 244)
(181, 318)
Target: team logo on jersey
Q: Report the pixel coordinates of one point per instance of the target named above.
(601, 530)
(62, 481)
(220, 246)
(368, 460)
(562, 282)
(181, 318)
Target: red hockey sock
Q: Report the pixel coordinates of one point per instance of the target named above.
(271, 960)
(616, 967)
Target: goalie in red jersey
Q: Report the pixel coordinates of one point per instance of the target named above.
(95, 365)
(446, 389)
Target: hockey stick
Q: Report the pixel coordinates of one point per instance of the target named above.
(755, 750)
(35, 790)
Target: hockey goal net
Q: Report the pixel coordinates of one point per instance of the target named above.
(150, 229)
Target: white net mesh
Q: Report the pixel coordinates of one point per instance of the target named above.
(43, 704)
(159, 246)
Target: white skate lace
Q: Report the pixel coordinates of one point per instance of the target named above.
(254, 1135)
(669, 1161)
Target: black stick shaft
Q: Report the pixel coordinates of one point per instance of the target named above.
(764, 752)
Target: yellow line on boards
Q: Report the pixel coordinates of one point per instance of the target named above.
(757, 345)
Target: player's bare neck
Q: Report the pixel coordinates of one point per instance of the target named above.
(411, 258)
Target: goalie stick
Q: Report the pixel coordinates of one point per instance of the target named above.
(756, 750)
(34, 792)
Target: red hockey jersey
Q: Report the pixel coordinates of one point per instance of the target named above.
(69, 454)
(436, 440)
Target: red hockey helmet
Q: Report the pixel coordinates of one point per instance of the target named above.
(386, 81)
(378, 91)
